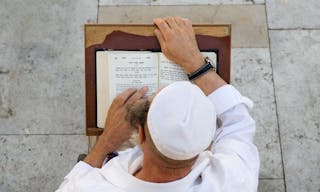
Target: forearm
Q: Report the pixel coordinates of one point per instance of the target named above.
(209, 82)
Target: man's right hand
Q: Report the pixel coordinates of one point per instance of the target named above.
(178, 42)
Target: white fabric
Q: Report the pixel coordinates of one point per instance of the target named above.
(181, 121)
(231, 165)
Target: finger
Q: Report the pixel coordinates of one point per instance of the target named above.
(171, 22)
(163, 26)
(186, 22)
(137, 95)
(124, 96)
(178, 21)
(159, 36)
(188, 26)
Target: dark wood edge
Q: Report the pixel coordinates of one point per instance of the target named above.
(91, 131)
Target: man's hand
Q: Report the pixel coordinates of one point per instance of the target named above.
(178, 42)
(117, 129)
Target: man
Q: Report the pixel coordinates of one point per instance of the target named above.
(181, 149)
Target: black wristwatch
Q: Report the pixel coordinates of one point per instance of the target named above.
(208, 65)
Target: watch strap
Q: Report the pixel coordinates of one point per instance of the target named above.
(202, 70)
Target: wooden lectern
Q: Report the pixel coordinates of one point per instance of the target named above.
(141, 38)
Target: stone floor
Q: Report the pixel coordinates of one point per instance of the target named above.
(275, 44)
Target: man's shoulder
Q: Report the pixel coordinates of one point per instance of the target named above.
(93, 179)
(103, 179)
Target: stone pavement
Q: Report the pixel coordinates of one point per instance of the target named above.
(275, 44)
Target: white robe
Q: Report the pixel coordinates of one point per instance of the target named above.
(231, 165)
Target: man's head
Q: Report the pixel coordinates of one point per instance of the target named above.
(176, 125)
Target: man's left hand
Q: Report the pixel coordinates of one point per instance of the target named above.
(117, 130)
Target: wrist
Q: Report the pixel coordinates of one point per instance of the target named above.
(209, 81)
(194, 64)
(205, 68)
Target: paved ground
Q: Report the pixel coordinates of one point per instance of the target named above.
(274, 62)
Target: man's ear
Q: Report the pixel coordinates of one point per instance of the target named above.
(142, 137)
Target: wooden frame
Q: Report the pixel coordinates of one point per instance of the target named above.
(106, 36)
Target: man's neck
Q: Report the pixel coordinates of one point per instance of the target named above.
(160, 174)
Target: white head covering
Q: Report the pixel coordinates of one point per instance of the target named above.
(181, 121)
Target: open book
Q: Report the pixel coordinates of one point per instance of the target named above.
(118, 70)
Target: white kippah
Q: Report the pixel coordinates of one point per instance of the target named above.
(181, 121)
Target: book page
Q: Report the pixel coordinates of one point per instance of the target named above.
(170, 72)
(123, 70)
(136, 69)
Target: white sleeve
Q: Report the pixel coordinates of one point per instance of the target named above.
(236, 129)
(79, 170)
